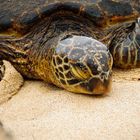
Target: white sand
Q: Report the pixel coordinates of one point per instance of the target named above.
(42, 112)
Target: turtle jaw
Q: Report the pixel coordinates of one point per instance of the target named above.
(93, 86)
(97, 87)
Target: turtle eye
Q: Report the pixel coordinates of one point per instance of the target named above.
(80, 71)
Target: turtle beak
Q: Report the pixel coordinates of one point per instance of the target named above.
(102, 87)
(97, 87)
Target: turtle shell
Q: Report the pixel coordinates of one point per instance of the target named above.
(22, 14)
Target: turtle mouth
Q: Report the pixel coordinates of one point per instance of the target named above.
(96, 86)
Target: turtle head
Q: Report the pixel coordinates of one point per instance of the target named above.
(82, 65)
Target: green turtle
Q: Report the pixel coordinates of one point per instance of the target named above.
(71, 44)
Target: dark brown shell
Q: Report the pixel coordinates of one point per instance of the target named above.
(23, 13)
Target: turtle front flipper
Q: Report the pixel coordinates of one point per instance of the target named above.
(125, 48)
(10, 79)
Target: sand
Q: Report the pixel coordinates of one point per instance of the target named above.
(43, 112)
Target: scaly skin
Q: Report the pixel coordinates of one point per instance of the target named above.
(125, 48)
(63, 49)
(42, 48)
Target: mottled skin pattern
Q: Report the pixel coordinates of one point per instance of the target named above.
(56, 41)
(125, 48)
(84, 65)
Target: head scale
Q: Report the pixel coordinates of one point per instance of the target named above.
(82, 64)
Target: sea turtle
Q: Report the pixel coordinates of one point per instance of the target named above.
(70, 44)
